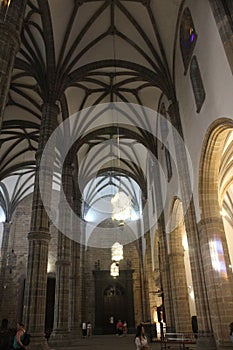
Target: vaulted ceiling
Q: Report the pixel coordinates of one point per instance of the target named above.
(79, 53)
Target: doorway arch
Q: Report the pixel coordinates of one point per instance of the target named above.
(214, 180)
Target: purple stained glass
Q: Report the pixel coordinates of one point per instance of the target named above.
(192, 37)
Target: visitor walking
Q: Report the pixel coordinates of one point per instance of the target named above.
(18, 338)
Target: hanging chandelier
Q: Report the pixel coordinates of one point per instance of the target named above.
(117, 252)
(114, 269)
(121, 206)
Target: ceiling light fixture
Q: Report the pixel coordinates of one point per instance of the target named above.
(114, 269)
(117, 252)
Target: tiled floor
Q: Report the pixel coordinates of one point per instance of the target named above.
(107, 342)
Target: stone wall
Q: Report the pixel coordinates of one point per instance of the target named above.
(13, 287)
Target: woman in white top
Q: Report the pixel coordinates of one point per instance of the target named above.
(140, 339)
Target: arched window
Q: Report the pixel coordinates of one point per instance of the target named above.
(198, 88)
(188, 37)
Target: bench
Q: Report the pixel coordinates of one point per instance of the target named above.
(177, 340)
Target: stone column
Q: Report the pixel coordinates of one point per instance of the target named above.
(83, 300)
(178, 283)
(150, 283)
(11, 19)
(201, 301)
(141, 275)
(4, 249)
(39, 237)
(218, 276)
(224, 27)
(61, 316)
(75, 295)
(163, 251)
(146, 262)
(166, 281)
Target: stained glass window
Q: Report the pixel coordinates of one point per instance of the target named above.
(188, 37)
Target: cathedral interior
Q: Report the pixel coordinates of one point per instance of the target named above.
(116, 158)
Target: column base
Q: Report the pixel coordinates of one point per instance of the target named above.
(75, 333)
(63, 338)
(206, 341)
(225, 345)
(38, 343)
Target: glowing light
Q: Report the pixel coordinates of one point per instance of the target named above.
(114, 269)
(223, 213)
(134, 216)
(217, 257)
(191, 34)
(2, 215)
(117, 251)
(191, 292)
(121, 206)
(89, 217)
(49, 268)
(185, 243)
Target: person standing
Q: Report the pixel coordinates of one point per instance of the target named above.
(125, 330)
(89, 329)
(84, 329)
(18, 338)
(119, 327)
(141, 339)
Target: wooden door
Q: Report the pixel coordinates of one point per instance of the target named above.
(115, 306)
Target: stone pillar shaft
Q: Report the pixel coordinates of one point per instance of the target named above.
(39, 236)
(178, 283)
(166, 283)
(199, 287)
(4, 250)
(145, 261)
(11, 19)
(75, 295)
(61, 319)
(224, 27)
(218, 276)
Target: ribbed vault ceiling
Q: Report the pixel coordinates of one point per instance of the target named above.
(81, 53)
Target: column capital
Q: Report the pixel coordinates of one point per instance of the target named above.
(210, 220)
(52, 106)
(7, 225)
(39, 236)
(63, 262)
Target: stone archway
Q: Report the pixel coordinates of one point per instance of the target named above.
(213, 243)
